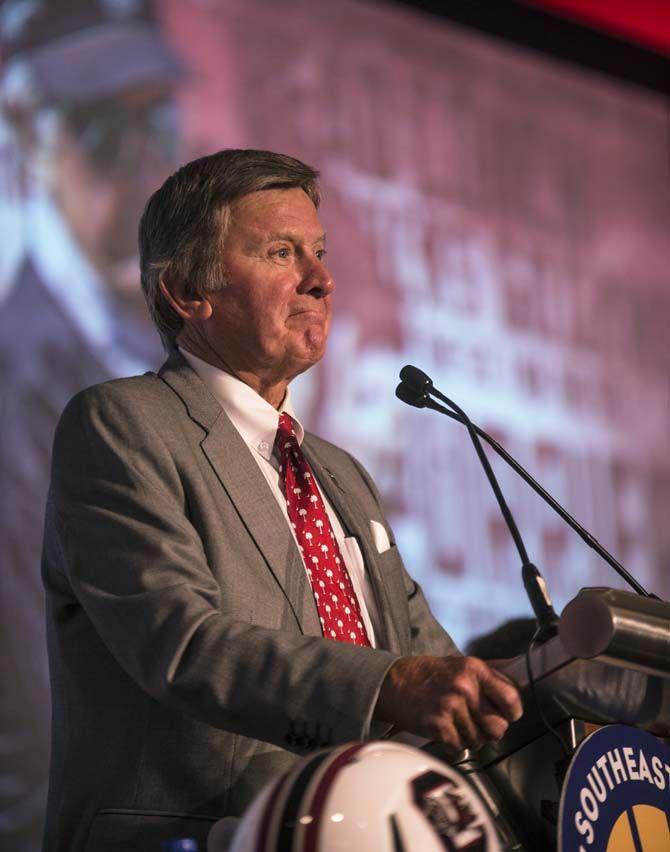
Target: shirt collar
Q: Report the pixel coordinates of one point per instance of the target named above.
(253, 417)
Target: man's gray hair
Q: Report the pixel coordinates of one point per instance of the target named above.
(184, 222)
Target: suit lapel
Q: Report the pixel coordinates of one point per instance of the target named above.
(248, 490)
(358, 524)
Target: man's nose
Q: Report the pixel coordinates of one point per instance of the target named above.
(316, 279)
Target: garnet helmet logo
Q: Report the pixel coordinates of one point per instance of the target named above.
(448, 807)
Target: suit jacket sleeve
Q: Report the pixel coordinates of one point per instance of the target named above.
(119, 542)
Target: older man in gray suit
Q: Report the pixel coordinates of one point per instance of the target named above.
(193, 654)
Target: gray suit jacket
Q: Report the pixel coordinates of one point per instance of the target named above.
(186, 656)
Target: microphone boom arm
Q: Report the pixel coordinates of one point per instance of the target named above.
(584, 534)
(414, 389)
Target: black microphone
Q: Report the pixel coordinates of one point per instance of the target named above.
(409, 395)
(414, 388)
(416, 377)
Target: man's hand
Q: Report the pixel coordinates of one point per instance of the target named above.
(459, 700)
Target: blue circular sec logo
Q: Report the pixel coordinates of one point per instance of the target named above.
(616, 795)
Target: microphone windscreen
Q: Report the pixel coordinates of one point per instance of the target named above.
(416, 378)
(412, 397)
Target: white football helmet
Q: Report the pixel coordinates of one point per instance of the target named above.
(367, 797)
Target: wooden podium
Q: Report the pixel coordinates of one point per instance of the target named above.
(609, 664)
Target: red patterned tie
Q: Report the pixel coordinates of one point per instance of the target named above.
(336, 601)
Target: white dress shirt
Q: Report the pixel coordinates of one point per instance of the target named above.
(257, 421)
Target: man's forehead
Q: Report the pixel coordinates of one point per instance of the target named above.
(277, 213)
(291, 235)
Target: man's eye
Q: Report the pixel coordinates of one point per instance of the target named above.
(282, 252)
(321, 253)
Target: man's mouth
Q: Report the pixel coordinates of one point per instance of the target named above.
(309, 314)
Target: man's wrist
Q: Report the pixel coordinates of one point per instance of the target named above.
(384, 710)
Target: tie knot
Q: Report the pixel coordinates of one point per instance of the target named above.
(285, 434)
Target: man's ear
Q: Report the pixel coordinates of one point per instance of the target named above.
(189, 305)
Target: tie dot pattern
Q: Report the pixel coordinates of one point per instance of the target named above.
(336, 601)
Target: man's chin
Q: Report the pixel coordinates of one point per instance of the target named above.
(306, 355)
(314, 342)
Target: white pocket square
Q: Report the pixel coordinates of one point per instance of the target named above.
(379, 536)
